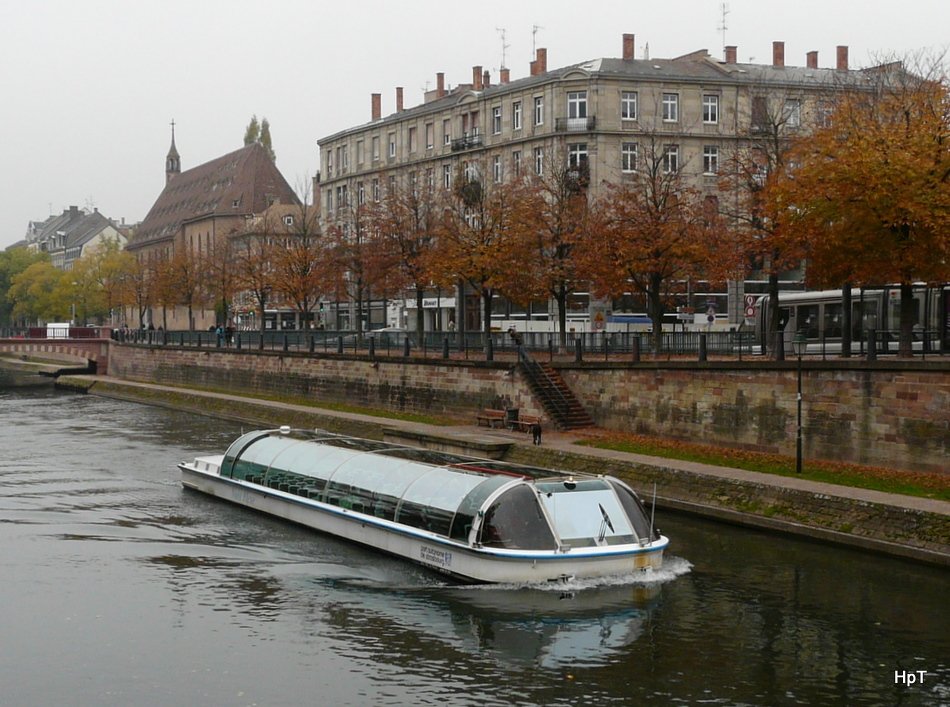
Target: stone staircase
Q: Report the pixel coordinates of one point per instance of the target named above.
(560, 403)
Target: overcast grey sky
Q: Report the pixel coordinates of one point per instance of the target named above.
(89, 87)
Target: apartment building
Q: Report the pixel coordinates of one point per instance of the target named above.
(607, 114)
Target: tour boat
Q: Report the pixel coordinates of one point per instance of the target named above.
(477, 520)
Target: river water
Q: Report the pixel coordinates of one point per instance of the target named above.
(121, 588)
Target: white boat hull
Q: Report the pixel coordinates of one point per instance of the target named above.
(473, 564)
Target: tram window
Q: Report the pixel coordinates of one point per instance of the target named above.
(833, 319)
(515, 521)
(808, 320)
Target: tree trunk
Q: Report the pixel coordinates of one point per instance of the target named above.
(420, 317)
(655, 306)
(486, 305)
(261, 303)
(774, 318)
(908, 319)
(561, 299)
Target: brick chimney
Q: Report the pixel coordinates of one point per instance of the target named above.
(486, 79)
(440, 84)
(842, 57)
(542, 59)
(534, 68)
(505, 75)
(628, 47)
(778, 54)
(476, 78)
(812, 60)
(399, 99)
(731, 52)
(377, 106)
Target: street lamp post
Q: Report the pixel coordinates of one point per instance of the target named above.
(800, 344)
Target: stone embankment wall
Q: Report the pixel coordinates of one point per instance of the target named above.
(433, 387)
(887, 413)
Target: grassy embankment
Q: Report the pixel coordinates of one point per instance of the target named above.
(909, 483)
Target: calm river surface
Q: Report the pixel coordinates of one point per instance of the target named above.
(120, 588)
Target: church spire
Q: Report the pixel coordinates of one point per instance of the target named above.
(172, 161)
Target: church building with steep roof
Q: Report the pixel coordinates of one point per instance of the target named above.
(202, 206)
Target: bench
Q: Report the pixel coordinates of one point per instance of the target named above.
(524, 423)
(490, 417)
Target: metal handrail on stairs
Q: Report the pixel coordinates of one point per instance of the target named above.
(535, 372)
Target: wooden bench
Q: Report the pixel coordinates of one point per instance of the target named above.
(524, 423)
(490, 417)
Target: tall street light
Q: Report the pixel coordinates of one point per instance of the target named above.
(800, 344)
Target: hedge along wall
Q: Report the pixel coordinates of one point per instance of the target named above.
(889, 414)
(432, 386)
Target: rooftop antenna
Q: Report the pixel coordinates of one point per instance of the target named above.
(724, 9)
(504, 46)
(534, 36)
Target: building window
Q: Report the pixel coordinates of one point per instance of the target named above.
(447, 176)
(577, 154)
(430, 136)
(446, 131)
(710, 109)
(376, 148)
(359, 152)
(391, 186)
(392, 144)
(539, 161)
(329, 201)
(288, 220)
(516, 115)
(496, 169)
(760, 114)
(345, 158)
(710, 159)
(496, 120)
(577, 104)
(360, 194)
(329, 163)
(414, 183)
(671, 107)
(430, 179)
(671, 158)
(412, 140)
(341, 199)
(629, 155)
(516, 163)
(793, 113)
(628, 105)
(376, 190)
(539, 110)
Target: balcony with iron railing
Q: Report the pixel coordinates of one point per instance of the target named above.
(467, 142)
(575, 125)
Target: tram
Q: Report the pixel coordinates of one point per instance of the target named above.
(819, 316)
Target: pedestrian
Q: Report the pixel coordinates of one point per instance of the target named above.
(536, 433)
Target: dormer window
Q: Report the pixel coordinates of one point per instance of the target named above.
(288, 220)
(236, 204)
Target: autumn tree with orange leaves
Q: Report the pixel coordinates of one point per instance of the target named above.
(407, 223)
(300, 258)
(475, 237)
(869, 195)
(550, 222)
(647, 234)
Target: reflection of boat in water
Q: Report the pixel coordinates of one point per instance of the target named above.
(475, 519)
(530, 626)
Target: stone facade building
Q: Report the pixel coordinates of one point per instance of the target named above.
(607, 115)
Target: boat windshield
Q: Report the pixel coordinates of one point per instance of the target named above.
(587, 512)
(515, 521)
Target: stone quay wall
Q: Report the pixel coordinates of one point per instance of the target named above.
(886, 413)
(452, 389)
